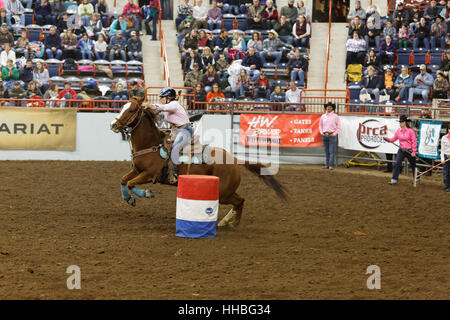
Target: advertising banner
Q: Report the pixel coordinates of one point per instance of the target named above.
(280, 130)
(429, 139)
(366, 134)
(38, 129)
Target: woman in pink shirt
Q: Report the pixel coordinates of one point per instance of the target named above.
(408, 147)
(177, 116)
(329, 127)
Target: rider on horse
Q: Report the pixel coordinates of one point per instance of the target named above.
(177, 116)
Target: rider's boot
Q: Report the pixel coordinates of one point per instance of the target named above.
(172, 174)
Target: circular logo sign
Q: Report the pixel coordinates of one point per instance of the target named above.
(209, 211)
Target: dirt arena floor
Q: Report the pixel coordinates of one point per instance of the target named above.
(57, 214)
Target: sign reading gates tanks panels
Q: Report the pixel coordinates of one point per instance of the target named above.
(366, 133)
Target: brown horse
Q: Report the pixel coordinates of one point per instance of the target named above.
(149, 166)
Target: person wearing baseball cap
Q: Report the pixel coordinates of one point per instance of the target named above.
(134, 47)
(421, 85)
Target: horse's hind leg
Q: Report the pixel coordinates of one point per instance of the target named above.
(233, 217)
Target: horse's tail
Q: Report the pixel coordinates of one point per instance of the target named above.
(269, 180)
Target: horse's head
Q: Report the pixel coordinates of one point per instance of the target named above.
(129, 115)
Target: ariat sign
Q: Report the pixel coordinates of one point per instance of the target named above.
(38, 129)
(366, 133)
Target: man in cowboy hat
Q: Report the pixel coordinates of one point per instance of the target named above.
(329, 127)
(272, 47)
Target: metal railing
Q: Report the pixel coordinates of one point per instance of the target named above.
(81, 105)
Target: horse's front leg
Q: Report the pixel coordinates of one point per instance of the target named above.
(124, 189)
(141, 178)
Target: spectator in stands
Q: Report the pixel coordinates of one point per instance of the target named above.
(15, 8)
(207, 57)
(209, 78)
(255, 43)
(388, 51)
(255, 18)
(214, 17)
(445, 12)
(85, 11)
(3, 91)
(222, 66)
(62, 25)
(444, 66)
(185, 27)
(301, 31)
(57, 8)
(26, 74)
(200, 15)
(270, 14)
(190, 43)
(7, 54)
(290, 12)
(51, 94)
(190, 60)
(135, 11)
(200, 94)
(16, 92)
(52, 44)
(117, 45)
(422, 84)
(356, 50)
(231, 6)
(5, 19)
(373, 33)
(414, 17)
(100, 48)
(10, 74)
(6, 36)
(193, 77)
(260, 88)
(357, 26)
(402, 84)
(329, 127)
(215, 95)
(404, 36)
(132, 25)
(184, 10)
(388, 84)
(21, 46)
(301, 9)
(440, 87)
(293, 96)
(284, 29)
(357, 11)
(119, 94)
(137, 89)
(68, 93)
(277, 95)
(71, 6)
(95, 27)
(373, 12)
(254, 62)
(422, 35)
(431, 12)
(33, 90)
(389, 29)
(41, 76)
(204, 41)
(69, 43)
(238, 47)
(401, 15)
(438, 32)
(297, 68)
(134, 47)
(372, 59)
(371, 83)
(245, 5)
(43, 12)
(222, 44)
(117, 25)
(102, 8)
(242, 85)
(86, 45)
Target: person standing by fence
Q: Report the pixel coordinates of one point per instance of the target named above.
(445, 155)
(329, 127)
(408, 147)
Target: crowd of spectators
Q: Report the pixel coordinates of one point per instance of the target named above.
(233, 61)
(413, 30)
(76, 30)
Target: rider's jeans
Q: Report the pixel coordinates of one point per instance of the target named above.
(183, 137)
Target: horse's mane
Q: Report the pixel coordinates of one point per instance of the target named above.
(151, 113)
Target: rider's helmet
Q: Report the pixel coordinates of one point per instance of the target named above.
(168, 92)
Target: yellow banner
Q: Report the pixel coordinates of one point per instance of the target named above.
(38, 129)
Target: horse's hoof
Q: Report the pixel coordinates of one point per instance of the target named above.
(132, 202)
(148, 194)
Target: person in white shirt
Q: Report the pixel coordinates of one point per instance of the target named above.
(200, 15)
(445, 155)
(6, 55)
(293, 96)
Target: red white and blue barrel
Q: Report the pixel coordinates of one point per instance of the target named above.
(197, 206)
